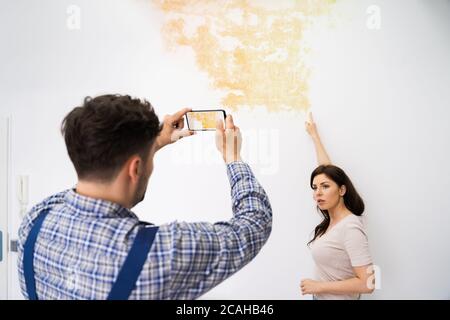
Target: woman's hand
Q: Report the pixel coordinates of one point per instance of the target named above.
(321, 153)
(309, 286)
(310, 126)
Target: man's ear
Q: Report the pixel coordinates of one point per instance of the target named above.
(134, 168)
(342, 190)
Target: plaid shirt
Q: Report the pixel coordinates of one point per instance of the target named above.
(83, 243)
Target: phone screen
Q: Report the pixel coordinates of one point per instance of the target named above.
(200, 120)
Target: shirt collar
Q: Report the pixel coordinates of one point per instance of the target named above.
(97, 208)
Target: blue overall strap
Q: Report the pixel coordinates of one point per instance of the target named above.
(28, 256)
(134, 262)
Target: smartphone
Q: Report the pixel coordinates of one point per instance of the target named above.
(204, 120)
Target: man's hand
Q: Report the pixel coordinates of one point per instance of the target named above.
(172, 129)
(228, 140)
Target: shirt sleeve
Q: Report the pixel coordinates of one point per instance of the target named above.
(356, 244)
(205, 254)
(25, 227)
(28, 220)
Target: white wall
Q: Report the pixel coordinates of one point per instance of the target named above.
(380, 98)
(4, 162)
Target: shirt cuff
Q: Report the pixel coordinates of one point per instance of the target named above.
(238, 169)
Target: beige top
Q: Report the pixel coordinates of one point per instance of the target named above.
(342, 247)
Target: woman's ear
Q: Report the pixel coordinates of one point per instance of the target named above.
(342, 190)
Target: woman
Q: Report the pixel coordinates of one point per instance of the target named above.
(339, 246)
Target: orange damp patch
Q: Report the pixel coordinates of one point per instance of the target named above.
(253, 51)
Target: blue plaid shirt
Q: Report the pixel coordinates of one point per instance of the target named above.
(83, 243)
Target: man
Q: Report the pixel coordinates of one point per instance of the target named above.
(86, 243)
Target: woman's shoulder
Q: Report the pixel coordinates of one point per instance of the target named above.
(353, 228)
(352, 221)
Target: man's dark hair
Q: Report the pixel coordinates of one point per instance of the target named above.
(105, 131)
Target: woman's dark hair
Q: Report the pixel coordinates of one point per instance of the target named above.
(352, 200)
(105, 131)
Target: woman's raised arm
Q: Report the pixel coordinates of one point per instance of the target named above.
(322, 156)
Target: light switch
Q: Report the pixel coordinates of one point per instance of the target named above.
(22, 189)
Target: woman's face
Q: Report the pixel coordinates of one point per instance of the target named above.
(326, 192)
